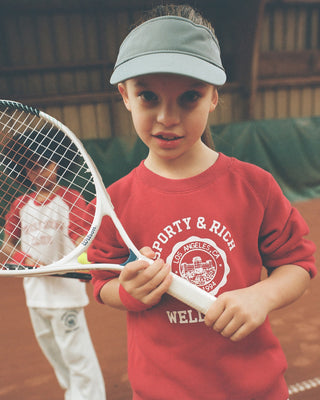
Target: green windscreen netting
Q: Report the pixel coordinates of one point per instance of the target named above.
(289, 149)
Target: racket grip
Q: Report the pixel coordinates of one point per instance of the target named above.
(182, 289)
(190, 294)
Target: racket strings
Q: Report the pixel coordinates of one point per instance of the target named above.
(20, 151)
(72, 155)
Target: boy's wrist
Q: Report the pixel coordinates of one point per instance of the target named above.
(130, 302)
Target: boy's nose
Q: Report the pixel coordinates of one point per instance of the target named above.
(168, 114)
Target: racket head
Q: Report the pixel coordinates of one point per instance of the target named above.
(29, 138)
(41, 160)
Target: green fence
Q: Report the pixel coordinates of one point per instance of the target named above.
(289, 149)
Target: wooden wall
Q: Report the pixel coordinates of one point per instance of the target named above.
(60, 59)
(290, 62)
(287, 81)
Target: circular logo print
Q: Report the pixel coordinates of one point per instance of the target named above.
(70, 319)
(201, 262)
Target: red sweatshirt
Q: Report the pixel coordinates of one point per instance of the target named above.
(217, 230)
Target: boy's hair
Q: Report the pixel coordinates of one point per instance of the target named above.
(176, 10)
(22, 151)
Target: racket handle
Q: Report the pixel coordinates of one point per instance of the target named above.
(190, 294)
(182, 289)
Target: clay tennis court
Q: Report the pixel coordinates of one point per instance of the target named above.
(26, 375)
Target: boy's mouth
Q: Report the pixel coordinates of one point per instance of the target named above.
(168, 138)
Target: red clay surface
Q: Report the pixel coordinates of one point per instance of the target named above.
(26, 375)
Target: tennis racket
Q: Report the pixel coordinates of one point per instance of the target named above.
(33, 141)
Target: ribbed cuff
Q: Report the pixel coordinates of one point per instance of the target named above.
(130, 303)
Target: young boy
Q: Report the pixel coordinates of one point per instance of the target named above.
(56, 305)
(213, 219)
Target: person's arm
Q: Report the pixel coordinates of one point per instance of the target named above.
(235, 314)
(7, 249)
(11, 253)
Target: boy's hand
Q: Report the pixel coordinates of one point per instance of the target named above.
(237, 313)
(146, 282)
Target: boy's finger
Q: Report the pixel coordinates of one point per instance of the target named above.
(147, 252)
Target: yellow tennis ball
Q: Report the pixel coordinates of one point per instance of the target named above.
(83, 259)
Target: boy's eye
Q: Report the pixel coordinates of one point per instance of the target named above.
(189, 97)
(148, 96)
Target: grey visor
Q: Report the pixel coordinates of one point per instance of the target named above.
(172, 45)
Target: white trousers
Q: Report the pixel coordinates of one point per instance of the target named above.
(65, 340)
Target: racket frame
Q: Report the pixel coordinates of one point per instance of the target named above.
(180, 288)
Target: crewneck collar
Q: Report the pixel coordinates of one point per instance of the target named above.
(161, 184)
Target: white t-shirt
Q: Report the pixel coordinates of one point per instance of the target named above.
(47, 231)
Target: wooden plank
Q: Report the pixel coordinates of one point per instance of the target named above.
(56, 66)
(4, 85)
(247, 48)
(28, 39)
(306, 102)
(88, 121)
(279, 33)
(78, 52)
(316, 101)
(121, 122)
(92, 50)
(265, 32)
(111, 38)
(294, 102)
(58, 43)
(314, 28)
(289, 63)
(91, 38)
(289, 82)
(223, 112)
(14, 42)
(122, 27)
(71, 118)
(254, 68)
(259, 108)
(19, 85)
(47, 47)
(281, 109)
(103, 120)
(269, 111)
(290, 35)
(77, 37)
(50, 85)
(79, 98)
(301, 29)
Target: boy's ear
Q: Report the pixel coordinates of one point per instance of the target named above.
(214, 101)
(124, 94)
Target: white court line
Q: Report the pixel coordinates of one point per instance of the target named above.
(304, 385)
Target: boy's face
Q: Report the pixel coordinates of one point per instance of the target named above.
(42, 175)
(169, 112)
